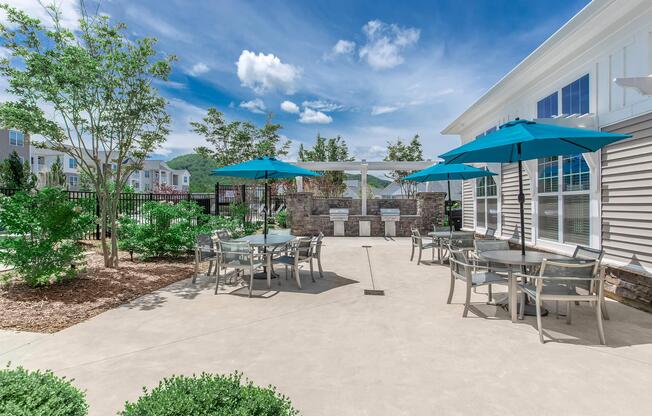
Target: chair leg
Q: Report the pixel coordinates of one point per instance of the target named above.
(598, 315)
(521, 306)
(569, 308)
(490, 293)
(419, 259)
(312, 276)
(321, 271)
(194, 276)
(412, 255)
(603, 305)
(217, 279)
(251, 280)
(297, 276)
(539, 325)
(210, 268)
(451, 290)
(286, 275)
(467, 302)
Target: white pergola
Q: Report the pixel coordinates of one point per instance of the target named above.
(363, 167)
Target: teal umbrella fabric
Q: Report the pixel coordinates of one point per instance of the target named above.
(520, 140)
(263, 168)
(444, 172)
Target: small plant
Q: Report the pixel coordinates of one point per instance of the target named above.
(209, 394)
(47, 228)
(239, 211)
(39, 394)
(282, 218)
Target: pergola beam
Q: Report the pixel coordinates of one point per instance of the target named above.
(357, 166)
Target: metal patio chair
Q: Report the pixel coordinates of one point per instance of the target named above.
(418, 242)
(490, 233)
(588, 253)
(558, 281)
(473, 275)
(204, 252)
(300, 252)
(237, 255)
(316, 253)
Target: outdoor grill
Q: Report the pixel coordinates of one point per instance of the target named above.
(390, 216)
(338, 216)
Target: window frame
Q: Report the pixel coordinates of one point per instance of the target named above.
(15, 137)
(483, 183)
(70, 180)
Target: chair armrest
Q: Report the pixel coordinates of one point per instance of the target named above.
(552, 278)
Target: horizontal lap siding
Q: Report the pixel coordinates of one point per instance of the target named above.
(510, 210)
(468, 207)
(627, 194)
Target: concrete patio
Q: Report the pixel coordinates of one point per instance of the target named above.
(335, 351)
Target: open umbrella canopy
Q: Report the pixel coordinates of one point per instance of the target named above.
(535, 140)
(263, 168)
(451, 172)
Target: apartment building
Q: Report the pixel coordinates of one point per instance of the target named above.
(14, 141)
(594, 72)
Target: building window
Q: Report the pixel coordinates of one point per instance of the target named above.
(72, 163)
(73, 180)
(548, 107)
(16, 138)
(575, 97)
(146, 174)
(564, 211)
(185, 179)
(486, 192)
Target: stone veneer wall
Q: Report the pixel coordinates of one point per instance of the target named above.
(309, 215)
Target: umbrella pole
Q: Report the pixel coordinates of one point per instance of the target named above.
(450, 208)
(265, 209)
(521, 198)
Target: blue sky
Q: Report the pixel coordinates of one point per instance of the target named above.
(366, 70)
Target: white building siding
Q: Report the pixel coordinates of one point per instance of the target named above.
(627, 195)
(468, 205)
(510, 212)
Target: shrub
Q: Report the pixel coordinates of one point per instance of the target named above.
(47, 227)
(282, 219)
(36, 393)
(209, 394)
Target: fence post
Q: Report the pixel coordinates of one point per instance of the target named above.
(244, 202)
(97, 215)
(217, 199)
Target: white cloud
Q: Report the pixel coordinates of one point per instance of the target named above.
(255, 106)
(383, 109)
(263, 73)
(69, 9)
(156, 24)
(289, 107)
(310, 116)
(385, 43)
(322, 105)
(198, 69)
(341, 48)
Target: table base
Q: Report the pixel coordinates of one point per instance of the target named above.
(530, 309)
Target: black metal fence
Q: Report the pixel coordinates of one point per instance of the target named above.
(216, 203)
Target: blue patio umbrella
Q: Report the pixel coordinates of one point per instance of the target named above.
(263, 168)
(520, 140)
(450, 172)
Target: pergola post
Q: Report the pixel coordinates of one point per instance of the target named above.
(299, 180)
(363, 186)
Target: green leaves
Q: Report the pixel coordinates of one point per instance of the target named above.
(334, 149)
(210, 395)
(406, 152)
(15, 174)
(36, 393)
(238, 141)
(45, 228)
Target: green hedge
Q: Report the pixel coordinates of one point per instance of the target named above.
(36, 393)
(209, 395)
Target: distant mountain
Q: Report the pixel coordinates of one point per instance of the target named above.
(372, 181)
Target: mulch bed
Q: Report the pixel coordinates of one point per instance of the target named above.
(51, 309)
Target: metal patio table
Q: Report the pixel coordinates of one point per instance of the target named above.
(263, 242)
(443, 236)
(515, 258)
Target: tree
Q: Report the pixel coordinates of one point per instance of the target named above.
(55, 178)
(404, 152)
(238, 141)
(97, 84)
(16, 174)
(334, 149)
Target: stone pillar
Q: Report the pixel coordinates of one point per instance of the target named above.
(431, 209)
(299, 206)
(299, 181)
(363, 187)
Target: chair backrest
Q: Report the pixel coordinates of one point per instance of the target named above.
(441, 228)
(568, 273)
(462, 242)
(279, 231)
(459, 263)
(489, 245)
(235, 253)
(302, 248)
(588, 253)
(221, 235)
(490, 233)
(316, 244)
(204, 241)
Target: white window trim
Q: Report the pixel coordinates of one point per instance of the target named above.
(495, 168)
(593, 160)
